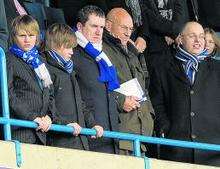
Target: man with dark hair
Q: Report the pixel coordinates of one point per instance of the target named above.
(93, 72)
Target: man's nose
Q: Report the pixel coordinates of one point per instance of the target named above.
(98, 30)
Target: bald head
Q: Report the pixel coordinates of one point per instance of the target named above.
(118, 14)
(189, 25)
(119, 23)
(192, 38)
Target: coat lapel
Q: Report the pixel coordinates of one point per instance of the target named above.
(31, 72)
(177, 70)
(201, 75)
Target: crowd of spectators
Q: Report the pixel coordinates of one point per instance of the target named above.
(66, 62)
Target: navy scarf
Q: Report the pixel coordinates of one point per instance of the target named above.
(67, 65)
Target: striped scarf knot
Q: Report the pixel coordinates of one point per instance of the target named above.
(190, 62)
(66, 64)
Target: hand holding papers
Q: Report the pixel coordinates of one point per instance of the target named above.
(132, 88)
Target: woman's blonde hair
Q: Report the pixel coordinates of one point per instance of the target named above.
(214, 36)
(25, 23)
(58, 35)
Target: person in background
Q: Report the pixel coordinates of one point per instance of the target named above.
(3, 27)
(60, 41)
(96, 75)
(29, 82)
(13, 8)
(212, 43)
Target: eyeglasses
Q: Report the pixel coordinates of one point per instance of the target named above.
(123, 27)
(126, 28)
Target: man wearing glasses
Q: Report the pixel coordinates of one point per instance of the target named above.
(134, 116)
(185, 96)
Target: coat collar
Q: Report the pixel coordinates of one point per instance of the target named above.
(177, 70)
(175, 67)
(109, 39)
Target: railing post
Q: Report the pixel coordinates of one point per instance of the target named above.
(4, 94)
(137, 146)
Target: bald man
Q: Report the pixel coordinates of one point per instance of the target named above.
(135, 116)
(185, 98)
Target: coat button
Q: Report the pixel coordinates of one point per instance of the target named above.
(191, 92)
(193, 136)
(192, 114)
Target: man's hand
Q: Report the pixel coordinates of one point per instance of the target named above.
(140, 44)
(44, 123)
(99, 131)
(169, 40)
(131, 103)
(77, 128)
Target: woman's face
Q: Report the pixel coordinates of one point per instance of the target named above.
(209, 43)
(26, 41)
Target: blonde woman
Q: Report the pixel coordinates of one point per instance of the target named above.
(212, 43)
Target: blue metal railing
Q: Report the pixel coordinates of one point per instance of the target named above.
(136, 139)
(4, 94)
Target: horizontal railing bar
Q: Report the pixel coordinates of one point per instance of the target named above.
(117, 135)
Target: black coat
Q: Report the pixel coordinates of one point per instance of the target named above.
(186, 112)
(3, 26)
(159, 27)
(70, 9)
(99, 101)
(26, 99)
(69, 106)
(209, 13)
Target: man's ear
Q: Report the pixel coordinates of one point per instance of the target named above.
(79, 26)
(180, 39)
(108, 25)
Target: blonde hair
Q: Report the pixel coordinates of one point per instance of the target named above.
(214, 36)
(25, 23)
(58, 35)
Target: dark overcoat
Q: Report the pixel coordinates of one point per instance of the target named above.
(188, 112)
(69, 106)
(99, 101)
(27, 99)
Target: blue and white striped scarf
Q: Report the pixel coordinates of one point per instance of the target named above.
(66, 64)
(107, 70)
(31, 57)
(190, 62)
